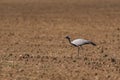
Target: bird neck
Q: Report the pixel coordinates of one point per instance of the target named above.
(69, 40)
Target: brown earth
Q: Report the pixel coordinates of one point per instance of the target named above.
(33, 44)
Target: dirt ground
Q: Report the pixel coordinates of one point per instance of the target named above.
(33, 44)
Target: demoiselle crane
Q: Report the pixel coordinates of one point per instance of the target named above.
(79, 42)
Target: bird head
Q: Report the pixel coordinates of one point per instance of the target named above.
(67, 37)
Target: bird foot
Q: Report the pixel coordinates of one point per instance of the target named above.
(78, 57)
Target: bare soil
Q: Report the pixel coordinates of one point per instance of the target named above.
(33, 44)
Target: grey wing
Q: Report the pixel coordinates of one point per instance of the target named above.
(79, 42)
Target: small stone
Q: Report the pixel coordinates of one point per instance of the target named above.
(118, 29)
(96, 74)
(108, 76)
(85, 58)
(21, 70)
(105, 55)
(10, 54)
(74, 60)
(113, 60)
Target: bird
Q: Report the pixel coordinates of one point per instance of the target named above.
(79, 42)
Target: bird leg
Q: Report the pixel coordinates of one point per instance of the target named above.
(78, 51)
(81, 47)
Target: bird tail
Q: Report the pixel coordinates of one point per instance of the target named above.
(93, 43)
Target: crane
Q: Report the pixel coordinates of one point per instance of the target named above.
(79, 42)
